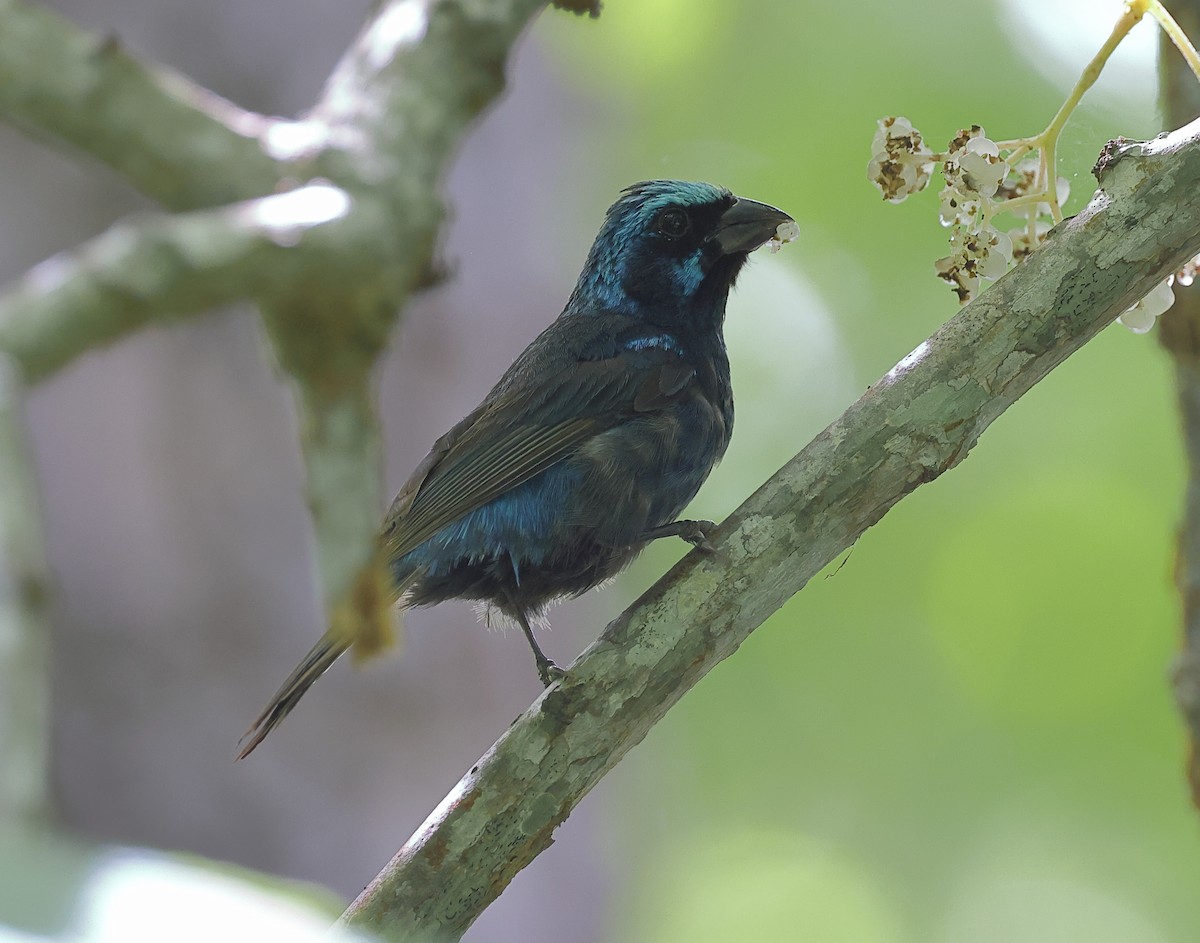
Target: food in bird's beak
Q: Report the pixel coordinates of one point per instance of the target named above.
(786, 231)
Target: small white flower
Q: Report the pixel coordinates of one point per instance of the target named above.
(785, 232)
(900, 162)
(953, 270)
(1141, 317)
(973, 171)
(997, 256)
(958, 208)
(981, 166)
(889, 129)
(975, 257)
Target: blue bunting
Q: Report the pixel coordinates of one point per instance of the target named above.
(597, 436)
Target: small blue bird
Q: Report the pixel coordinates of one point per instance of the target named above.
(594, 440)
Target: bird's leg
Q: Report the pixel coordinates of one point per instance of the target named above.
(694, 532)
(547, 670)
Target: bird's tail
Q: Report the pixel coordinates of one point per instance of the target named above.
(328, 650)
(363, 621)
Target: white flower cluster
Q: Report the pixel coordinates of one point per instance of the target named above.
(980, 182)
(983, 180)
(900, 162)
(973, 171)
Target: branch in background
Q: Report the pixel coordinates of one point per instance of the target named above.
(166, 266)
(24, 623)
(178, 143)
(384, 132)
(391, 117)
(1179, 96)
(395, 110)
(918, 421)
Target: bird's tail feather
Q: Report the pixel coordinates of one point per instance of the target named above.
(366, 623)
(328, 650)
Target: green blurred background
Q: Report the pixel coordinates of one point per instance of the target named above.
(963, 731)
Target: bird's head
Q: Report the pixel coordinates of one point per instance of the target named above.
(669, 251)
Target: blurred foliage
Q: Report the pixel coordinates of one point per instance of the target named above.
(137, 895)
(965, 731)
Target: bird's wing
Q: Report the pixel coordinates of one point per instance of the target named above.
(523, 429)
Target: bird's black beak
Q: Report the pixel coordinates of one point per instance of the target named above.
(748, 224)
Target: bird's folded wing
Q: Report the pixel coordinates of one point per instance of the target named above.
(520, 433)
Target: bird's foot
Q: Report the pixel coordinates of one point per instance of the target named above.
(694, 532)
(549, 672)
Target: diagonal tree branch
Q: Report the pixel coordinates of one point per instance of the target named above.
(178, 143)
(917, 422)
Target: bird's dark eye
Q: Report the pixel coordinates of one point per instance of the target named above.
(673, 223)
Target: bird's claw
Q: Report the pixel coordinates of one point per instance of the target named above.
(549, 672)
(696, 534)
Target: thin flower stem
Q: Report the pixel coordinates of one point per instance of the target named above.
(1027, 199)
(1129, 19)
(1172, 29)
(1048, 139)
(1019, 148)
(1047, 176)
